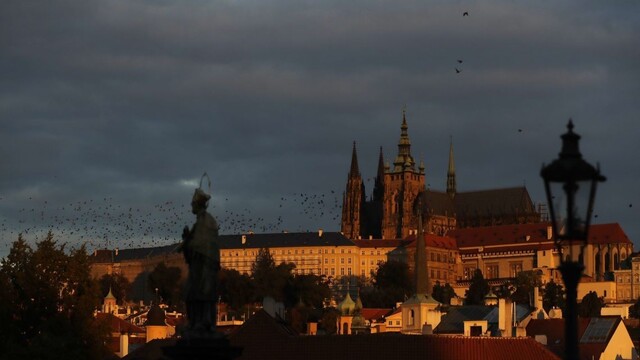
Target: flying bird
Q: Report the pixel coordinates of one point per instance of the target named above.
(466, 13)
(458, 71)
(459, 61)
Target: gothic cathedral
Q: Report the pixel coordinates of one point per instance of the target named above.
(389, 213)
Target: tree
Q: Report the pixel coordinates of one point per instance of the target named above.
(590, 305)
(524, 283)
(443, 293)
(312, 290)
(119, 285)
(167, 282)
(392, 283)
(329, 321)
(50, 297)
(634, 310)
(235, 289)
(270, 279)
(553, 296)
(478, 289)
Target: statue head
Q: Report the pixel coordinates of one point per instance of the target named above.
(200, 201)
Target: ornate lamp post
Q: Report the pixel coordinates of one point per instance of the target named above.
(570, 184)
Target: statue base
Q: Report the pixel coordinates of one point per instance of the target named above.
(212, 346)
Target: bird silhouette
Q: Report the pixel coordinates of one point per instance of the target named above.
(459, 61)
(458, 71)
(466, 13)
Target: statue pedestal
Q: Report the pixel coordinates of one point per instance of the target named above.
(202, 348)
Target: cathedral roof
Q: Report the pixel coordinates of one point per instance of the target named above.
(495, 202)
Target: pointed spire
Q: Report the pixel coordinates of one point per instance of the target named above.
(451, 172)
(355, 171)
(381, 165)
(110, 294)
(404, 160)
(378, 189)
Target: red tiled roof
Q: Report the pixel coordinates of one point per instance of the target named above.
(431, 240)
(263, 339)
(375, 314)
(116, 324)
(553, 329)
(398, 346)
(380, 243)
(607, 233)
(523, 237)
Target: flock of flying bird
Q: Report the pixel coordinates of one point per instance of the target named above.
(102, 223)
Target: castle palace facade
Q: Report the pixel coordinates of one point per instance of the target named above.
(389, 212)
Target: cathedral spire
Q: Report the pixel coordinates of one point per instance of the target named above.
(355, 171)
(451, 173)
(404, 158)
(378, 189)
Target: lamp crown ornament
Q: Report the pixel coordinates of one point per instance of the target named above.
(570, 184)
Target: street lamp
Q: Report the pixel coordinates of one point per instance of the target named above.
(570, 184)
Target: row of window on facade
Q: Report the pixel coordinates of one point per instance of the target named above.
(301, 251)
(437, 257)
(492, 271)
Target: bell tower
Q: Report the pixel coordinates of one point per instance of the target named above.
(402, 184)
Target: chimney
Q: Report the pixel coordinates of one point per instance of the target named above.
(537, 299)
(244, 239)
(124, 344)
(505, 317)
(549, 232)
(370, 237)
(116, 251)
(320, 231)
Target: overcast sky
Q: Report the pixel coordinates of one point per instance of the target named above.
(110, 111)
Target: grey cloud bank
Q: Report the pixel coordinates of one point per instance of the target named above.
(129, 101)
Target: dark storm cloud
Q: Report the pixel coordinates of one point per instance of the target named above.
(135, 100)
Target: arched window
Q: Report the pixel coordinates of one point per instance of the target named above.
(345, 329)
(412, 317)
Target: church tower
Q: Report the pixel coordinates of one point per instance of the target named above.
(401, 186)
(352, 200)
(451, 174)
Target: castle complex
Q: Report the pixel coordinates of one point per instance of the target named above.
(498, 231)
(389, 213)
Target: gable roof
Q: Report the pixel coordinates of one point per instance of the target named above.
(115, 324)
(432, 240)
(273, 240)
(375, 314)
(526, 237)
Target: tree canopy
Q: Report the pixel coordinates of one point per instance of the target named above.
(443, 293)
(166, 279)
(48, 299)
(523, 286)
(478, 289)
(590, 305)
(391, 283)
(119, 285)
(553, 296)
